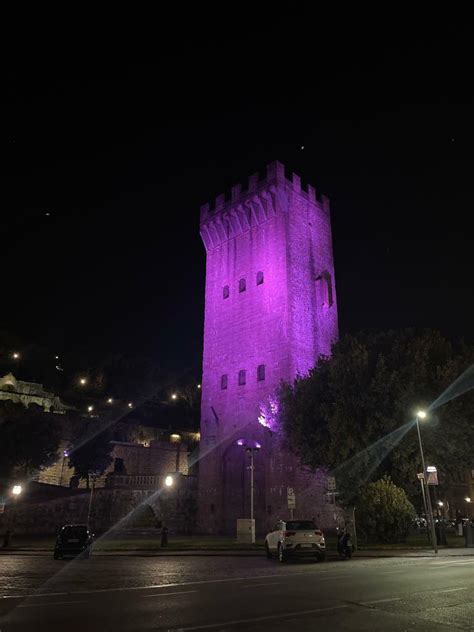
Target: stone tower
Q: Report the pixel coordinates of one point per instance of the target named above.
(270, 312)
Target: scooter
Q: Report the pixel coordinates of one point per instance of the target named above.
(345, 547)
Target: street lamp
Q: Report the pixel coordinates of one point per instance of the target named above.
(467, 499)
(82, 381)
(90, 409)
(421, 414)
(16, 490)
(65, 456)
(169, 481)
(174, 396)
(250, 448)
(93, 475)
(15, 355)
(130, 405)
(110, 400)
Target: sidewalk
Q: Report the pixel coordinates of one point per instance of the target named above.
(331, 554)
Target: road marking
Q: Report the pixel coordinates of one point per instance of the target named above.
(458, 563)
(448, 590)
(182, 592)
(51, 603)
(265, 584)
(179, 584)
(369, 603)
(283, 615)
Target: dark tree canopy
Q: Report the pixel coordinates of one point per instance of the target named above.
(29, 439)
(370, 387)
(92, 449)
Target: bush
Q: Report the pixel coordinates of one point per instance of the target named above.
(384, 512)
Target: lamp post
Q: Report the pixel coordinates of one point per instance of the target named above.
(15, 491)
(468, 501)
(93, 476)
(421, 414)
(65, 456)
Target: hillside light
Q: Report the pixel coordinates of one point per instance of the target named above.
(16, 490)
(110, 400)
(130, 404)
(467, 499)
(440, 503)
(90, 408)
(169, 481)
(82, 381)
(199, 386)
(174, 396)
(15, 355)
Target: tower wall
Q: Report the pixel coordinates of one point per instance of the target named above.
(275, 238)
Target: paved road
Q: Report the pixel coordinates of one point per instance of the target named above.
(184, 593)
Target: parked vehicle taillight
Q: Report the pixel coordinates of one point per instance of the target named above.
(288, 533)
(318, 532)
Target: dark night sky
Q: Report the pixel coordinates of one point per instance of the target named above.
(122, 145)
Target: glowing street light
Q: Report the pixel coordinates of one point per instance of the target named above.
(174, 396)
(421, 414)
(15, 355)
(16, 490)
(90, 408)
(440, 503)
(169, 481)
(130, 404)
(199, 386)
(110, 400)
(467, 499)
(83, 381)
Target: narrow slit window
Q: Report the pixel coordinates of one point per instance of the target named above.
(242, 285)
(225, 291)
(259, 278)
(260, 373)
(242, 377)
(224, 381)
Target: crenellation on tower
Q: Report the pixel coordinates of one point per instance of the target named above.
(275, 175)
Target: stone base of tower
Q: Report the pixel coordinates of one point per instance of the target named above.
(224, 488)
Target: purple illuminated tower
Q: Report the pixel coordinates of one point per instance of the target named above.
(270, 312)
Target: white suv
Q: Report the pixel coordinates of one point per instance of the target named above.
(295, 538)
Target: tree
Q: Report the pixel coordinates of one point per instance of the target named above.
(353, 413)
(29, 439)
(384, 513)
(92, 450)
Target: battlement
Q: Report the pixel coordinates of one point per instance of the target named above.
(275, 175)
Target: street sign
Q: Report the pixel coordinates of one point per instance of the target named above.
(431, 475)
(290, 493)
(331, 483)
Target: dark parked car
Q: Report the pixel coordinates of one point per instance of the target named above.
(72, 540)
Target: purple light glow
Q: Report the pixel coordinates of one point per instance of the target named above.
(240, 442)
(66, 453)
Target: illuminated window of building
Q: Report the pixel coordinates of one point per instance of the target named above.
(224, 381)
(225, 291)
(260, 372)
(242, 285)
(259, 278)
(242, 378)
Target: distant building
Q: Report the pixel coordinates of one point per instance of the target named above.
(27, 393)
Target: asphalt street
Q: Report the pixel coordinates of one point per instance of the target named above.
(233, 593)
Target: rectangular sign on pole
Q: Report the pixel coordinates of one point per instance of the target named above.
(291, 498)
(431, 475)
